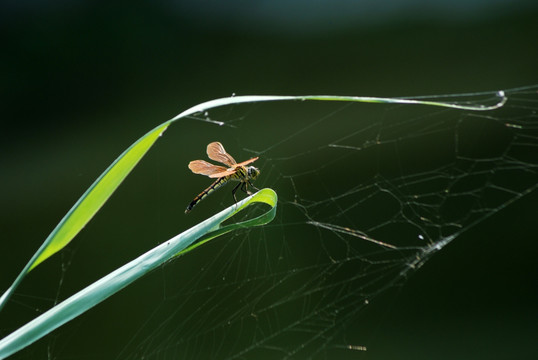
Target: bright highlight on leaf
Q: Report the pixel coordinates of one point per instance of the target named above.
(88, 205)
(97, 195)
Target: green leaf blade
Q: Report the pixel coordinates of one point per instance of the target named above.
(95, 197)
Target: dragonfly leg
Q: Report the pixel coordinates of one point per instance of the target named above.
(234, 191)
(253, 186)
(244, 188)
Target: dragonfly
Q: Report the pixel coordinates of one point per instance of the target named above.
(234, 171)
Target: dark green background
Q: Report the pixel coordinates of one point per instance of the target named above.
(81, 82)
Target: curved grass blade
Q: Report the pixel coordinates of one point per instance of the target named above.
(128, 273)
(89, 203)
(99, 192)
(97, 195)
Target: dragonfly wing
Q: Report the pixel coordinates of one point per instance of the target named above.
(216, 152)
(222, 174)
(247, 161)
(204, 168)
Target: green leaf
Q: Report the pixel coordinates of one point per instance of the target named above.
(95, 197)
(115, 281)
(89, 203)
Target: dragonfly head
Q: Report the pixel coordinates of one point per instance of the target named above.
(253, 172)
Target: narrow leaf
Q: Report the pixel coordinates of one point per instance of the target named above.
(94, 198)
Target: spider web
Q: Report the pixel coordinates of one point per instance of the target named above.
(367, 194)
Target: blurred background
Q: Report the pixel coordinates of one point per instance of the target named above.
(83, 80)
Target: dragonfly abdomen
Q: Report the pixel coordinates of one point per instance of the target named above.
(218, 183)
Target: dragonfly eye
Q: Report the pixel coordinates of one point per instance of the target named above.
(253, 172)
